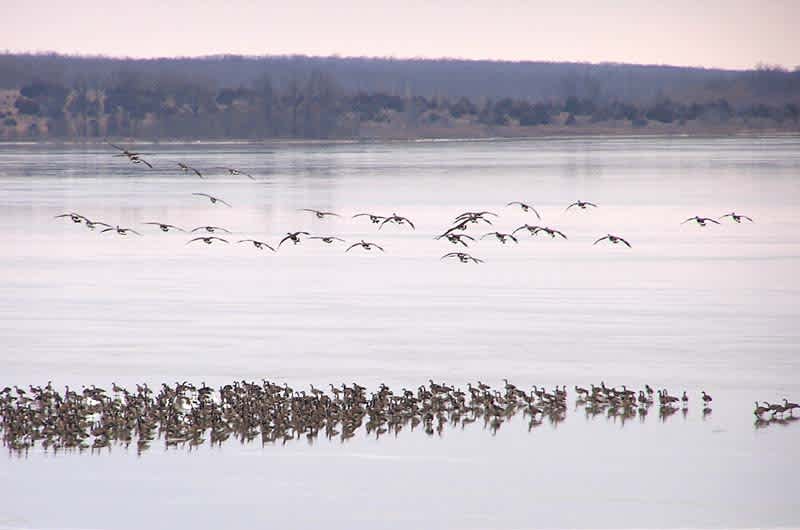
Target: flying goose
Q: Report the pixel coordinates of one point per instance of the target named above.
(463, 257)
(532, 229)
(366, 246)
(319, 214)
(613, 239)
(234, 171)
(186, 168)
(501, 237)
(581, 204)
(75, 217)
(700, 220)
(211, 229)
(397, 219)
(207, 239)
(551, 231)
(328, 239)
(213, 199)
(165, 227)
(374, 219)
(525, 208)
(736, 217)
(474, 217)
(258, 244)
(124, 152)
(455, 238)
(121, 231)
(92, 224)
(294, 237)
(136, 159)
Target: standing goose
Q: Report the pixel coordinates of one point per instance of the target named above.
(397, 219)
(319, 214)
(706, 398)
(790, 406)
(186, 168)
(207, 239)
(759, 410)
(613, 239)
(165, 227)
(736, 217)
(258, 244)
(366, 246)
(581, 204)
(327, 239)
(700, 220)
(214, 200)
(525, 208)
(121, 231)
(294, 237)
(501, 237)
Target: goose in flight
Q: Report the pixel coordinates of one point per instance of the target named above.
(136, 159)
(397, 219)
(501, 237)
(328, 239)
(532, 229)
(237, 172)
(207, 239)
(463, 257)
(124, 152)
(374, 219)
(213, 199)
(366, 246)
(319, 214)
(525, 208)
(550, 231)
(258, 244)
(294, 237)
(700, 220)
(613, 239)
(186, 168)
(474, 217)
(74, 217)
(736, 217)
(165, 227)
(455, 238)
(211, 229)
(120, 231)
(91, 225)
(581, 204)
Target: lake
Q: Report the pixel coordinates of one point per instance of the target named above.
(691, 308)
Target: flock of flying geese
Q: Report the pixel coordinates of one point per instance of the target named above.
(455, 234)
(185, 415)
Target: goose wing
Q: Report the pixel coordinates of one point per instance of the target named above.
(590, 204)
(724, 216)
(196, 172)
(571, 205)
(377, 246)
(450, 255)
(223, 202)
(559, 233)
(409, 222)
(599, 240)
(352, 246)
(219, 239)
(748, 218)
(512, 237)
(145, 162)
(537, 213)
(98, 223)
(625, 241)
(523, 227)
(247, 241)
(695, 218)
(489, 234)
(203, 195)
(220, 228)
(284, 239)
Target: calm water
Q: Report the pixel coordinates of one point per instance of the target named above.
(691, 308)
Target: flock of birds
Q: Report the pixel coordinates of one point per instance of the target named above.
(185, 415)
(456, 234)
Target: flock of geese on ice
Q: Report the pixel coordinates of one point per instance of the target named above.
(455, 234)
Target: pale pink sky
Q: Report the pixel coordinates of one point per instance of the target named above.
(712, 33)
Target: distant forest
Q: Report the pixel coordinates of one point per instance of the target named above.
(233, 97)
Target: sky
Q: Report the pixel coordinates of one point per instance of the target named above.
(731, 34)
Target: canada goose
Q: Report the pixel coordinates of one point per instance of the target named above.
(236, 172)
(74, 217)
(532, 229)
(258, 244)
(294, 237)
(525, 208)
(759, 410)
(136, 159)
(124, 152)
(700, 220)
(736, 217)
(776, 408)
(397, 219)
(207, 239)
(685, 399)
(374, 219)
(706, 398)
(165, 227)
(91, 225)
(121, 231)
(213, 199)
(211, 229)
(327, 239)
(790, 406)
(552, 232)
(473, 217)
(463, 257)
(319, 214)
(613, 239)
(455, 238)
(186, 168)
(581, 204)
(501, 237)
(366, 246)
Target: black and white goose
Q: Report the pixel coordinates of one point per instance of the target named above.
(525, 208)
(399, 219)
(165, 227)
(700, 220)
(501, 237)
(121, 231)
(294, 237)
(365, 245)
(207, 239)
(260, 245)
(319, 214)
(214, 200)
(463, 257)
(581, 204)
(736, 217)
(613, 239)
